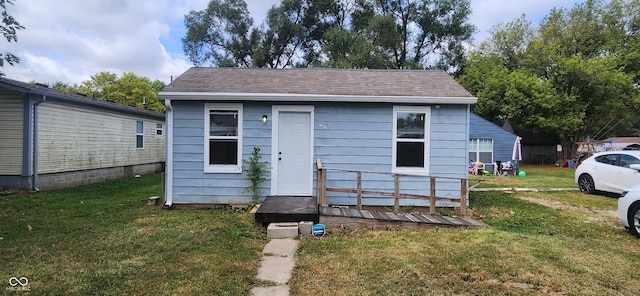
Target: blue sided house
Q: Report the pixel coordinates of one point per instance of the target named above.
(489, 143)
(404, 122)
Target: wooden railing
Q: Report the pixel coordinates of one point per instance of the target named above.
(322, 189)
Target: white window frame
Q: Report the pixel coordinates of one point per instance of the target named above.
(139, 134)
(159, 128)
(427, 139)
(225, 168)
(477, 148)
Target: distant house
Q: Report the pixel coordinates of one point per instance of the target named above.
(489, 143)
(395, 121)
(537, 147)
(617, 143)
(52, 139)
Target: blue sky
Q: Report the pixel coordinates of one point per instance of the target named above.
(70, 40)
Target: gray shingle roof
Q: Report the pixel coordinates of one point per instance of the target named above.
(318, 81)
(51, 93)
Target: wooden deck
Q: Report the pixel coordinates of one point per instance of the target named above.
(339, 217)
(304, 208)
(287, 209)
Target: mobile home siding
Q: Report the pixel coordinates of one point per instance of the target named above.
(350, 136)
(11, 113)
(72, 138)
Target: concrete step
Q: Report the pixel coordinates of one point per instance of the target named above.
(282, 230)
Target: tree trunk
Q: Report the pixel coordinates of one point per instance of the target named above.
(569, 147)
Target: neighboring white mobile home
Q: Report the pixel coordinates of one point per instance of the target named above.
(52, 139)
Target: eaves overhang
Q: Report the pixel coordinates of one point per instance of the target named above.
(79, 100)
(287, 97)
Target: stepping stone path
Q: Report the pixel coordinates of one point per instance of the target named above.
(276, 267)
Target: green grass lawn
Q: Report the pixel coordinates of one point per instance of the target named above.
(537, 243)
(536, 176)
(102, 239)
(528, 249)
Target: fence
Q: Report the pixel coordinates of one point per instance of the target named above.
(322, 189)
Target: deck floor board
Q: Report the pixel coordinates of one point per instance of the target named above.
(305, 208)
(379, 218)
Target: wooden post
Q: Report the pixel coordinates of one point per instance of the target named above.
(324, 187)
(432, 195)
(463, 197)
(320, 183)
(359, 190)
(396, 193)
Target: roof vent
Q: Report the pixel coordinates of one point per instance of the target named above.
(42, 84)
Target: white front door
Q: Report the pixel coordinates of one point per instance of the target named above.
(293, 163)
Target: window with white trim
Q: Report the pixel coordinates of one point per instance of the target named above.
(481, 150)
(410, 150)
(139, 134)
(223, 138)
(159, 129)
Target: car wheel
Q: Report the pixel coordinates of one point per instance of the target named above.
(634, 219)
(585, 182)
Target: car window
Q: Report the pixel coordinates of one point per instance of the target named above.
(626, 160)
(607, 159)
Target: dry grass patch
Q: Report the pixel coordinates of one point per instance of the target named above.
(529, 249)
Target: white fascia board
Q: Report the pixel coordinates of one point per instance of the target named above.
(212, 96)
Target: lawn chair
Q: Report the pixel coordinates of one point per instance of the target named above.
(507, 168)
(477, 168)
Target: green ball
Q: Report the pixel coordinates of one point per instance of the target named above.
(522, 174)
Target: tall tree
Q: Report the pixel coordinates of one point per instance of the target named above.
(9, 29)
(59, 85)
(220, 34)
(128, 89)
(336, 33)
(283, 37)
(570, 77)
(134, 90)
(99, 86)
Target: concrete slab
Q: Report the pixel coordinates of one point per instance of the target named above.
(282, 230)
(281, 247)
(276, 265)
(276, 269)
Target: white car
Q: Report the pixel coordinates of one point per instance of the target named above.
(612, 171)
(629, 209)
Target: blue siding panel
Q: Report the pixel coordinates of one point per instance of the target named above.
(503, 140)
(349, 136)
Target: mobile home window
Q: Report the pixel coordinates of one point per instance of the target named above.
(411, 139)
(159, 129)
(223, 138)
(481, 150)
(139, 135)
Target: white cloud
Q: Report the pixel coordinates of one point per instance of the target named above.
(70, 40)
